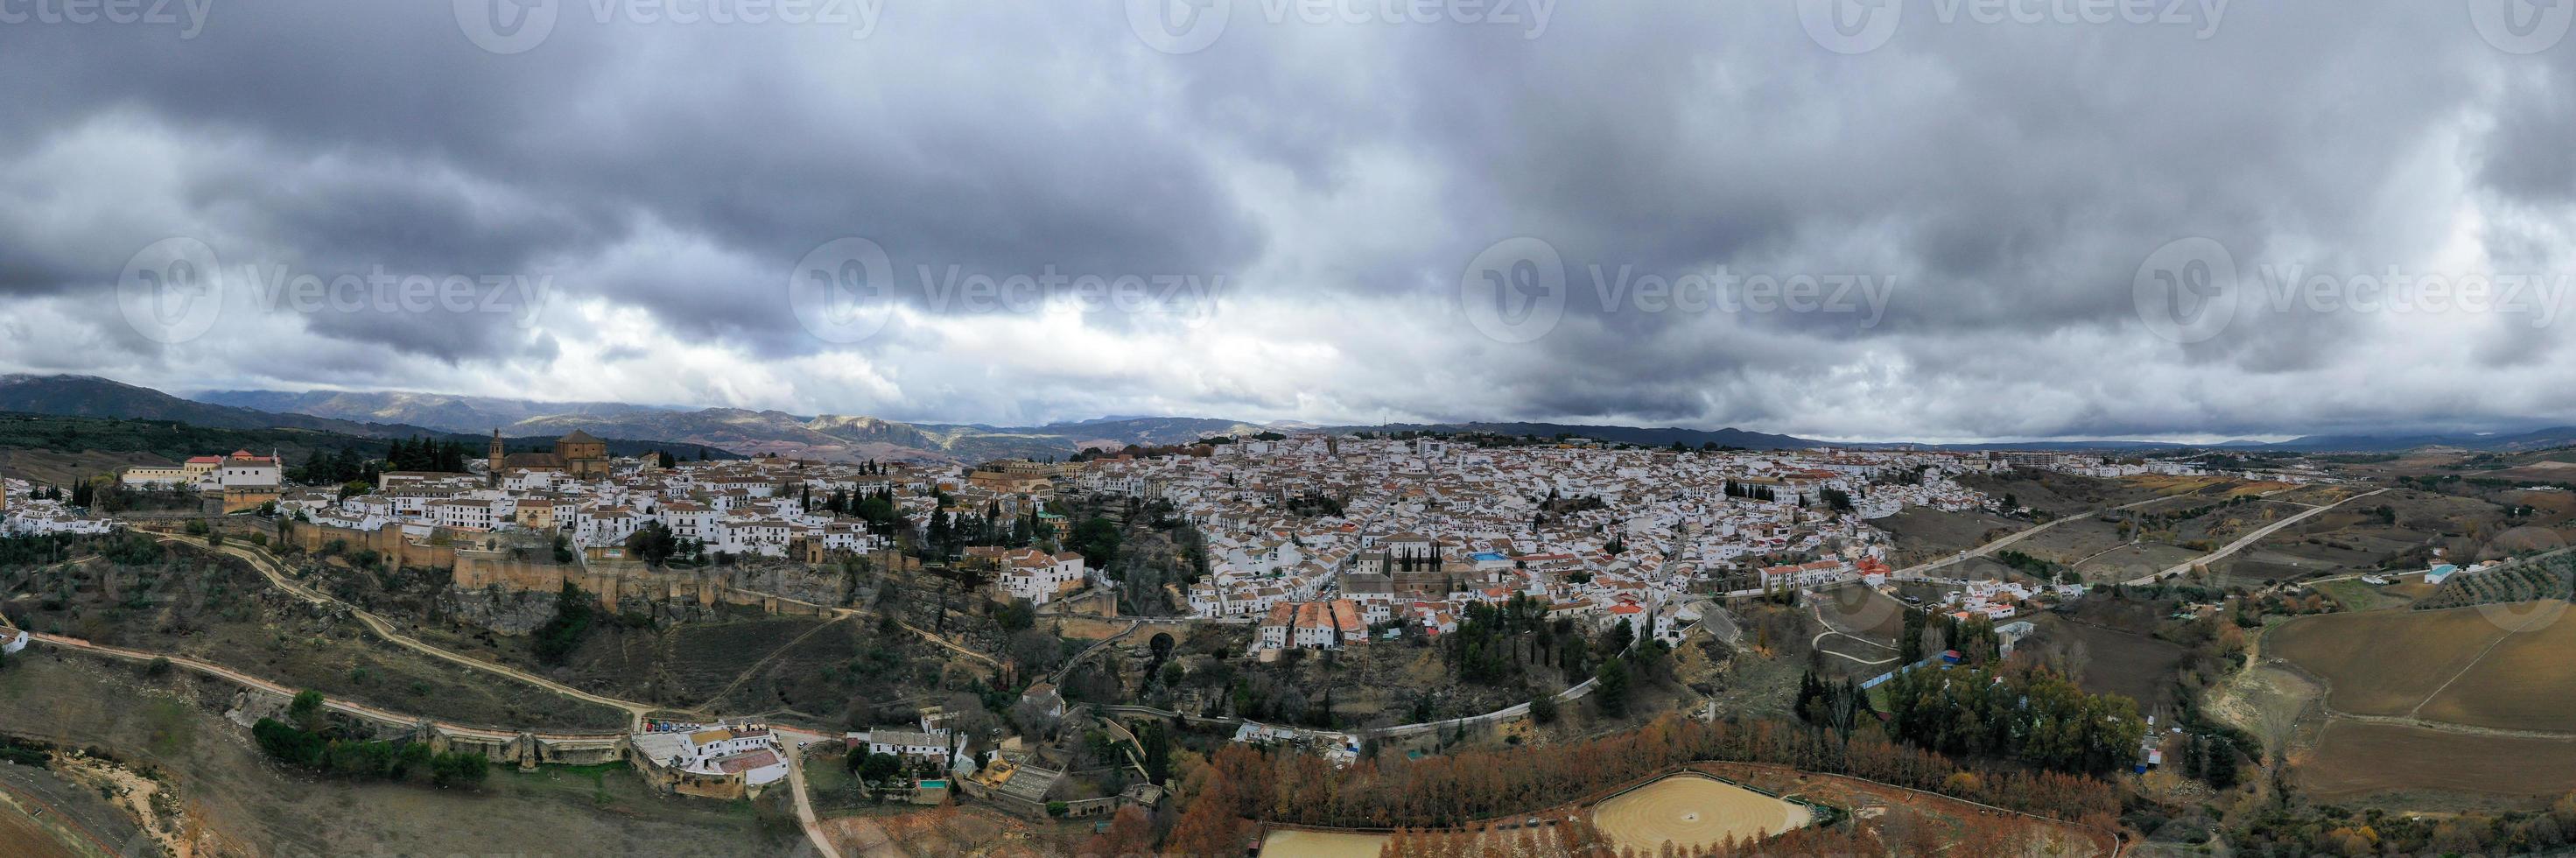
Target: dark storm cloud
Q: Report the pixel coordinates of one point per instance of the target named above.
(2003, 181)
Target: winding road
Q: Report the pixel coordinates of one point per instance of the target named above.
(268, 568)
(1830, 631)
(805, 803)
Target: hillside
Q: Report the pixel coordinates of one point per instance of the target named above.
(469, 414)
(388, 414)
(91, 396)
(58, 449)
(1621, 434)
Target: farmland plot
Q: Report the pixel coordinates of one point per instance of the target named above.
(2384, 663)
(2495, 667)
(2353, 758)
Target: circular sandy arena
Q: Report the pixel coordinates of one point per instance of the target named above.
(1690, 810)
(1292, 843)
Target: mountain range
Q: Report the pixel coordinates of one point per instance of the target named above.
(92, 396)
(833, 436)
(393, 414)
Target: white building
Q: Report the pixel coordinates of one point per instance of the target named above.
(750, 751)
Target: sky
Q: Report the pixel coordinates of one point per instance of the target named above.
(1848, 219)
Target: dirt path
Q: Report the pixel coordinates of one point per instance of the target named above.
(1830, 631)
(2473, 663)
(1094, 649)
(1922, 569)
(926, 634)
(2242, 542)
(763, 664)
(2325, 693)
(276, 575)
(247, 680)
(1812, 644)
(805, 803)
(29, 828)
(636, 712)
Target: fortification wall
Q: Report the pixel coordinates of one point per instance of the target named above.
(611, 582)
(668, 780)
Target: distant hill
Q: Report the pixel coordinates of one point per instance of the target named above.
(828, 436)
(58, 449)
(2542, 439)
(1621, 434)
(92, 396)
(470, 414)
(850, 438)
(140, 419)
(166, 439)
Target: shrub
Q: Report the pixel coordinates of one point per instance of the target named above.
(561, 635)
(459, 769)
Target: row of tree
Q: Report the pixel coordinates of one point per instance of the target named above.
(1751, 492)
(1460, 788)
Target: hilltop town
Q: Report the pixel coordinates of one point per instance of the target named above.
(1044, 639)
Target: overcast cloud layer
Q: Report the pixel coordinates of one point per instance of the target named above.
(1982, 199)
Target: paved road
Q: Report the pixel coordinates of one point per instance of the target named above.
(1997, 545)
(796, 740)
(2249, 539)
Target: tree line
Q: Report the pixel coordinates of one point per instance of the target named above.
(427, 454)
(2027, 714)
(1243, 783)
